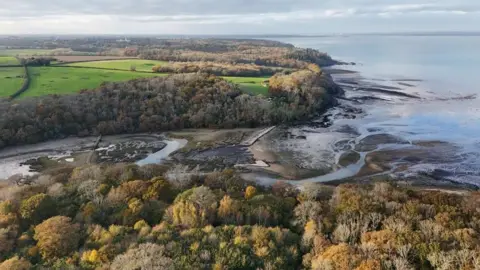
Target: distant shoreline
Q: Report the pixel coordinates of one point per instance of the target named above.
(255, 36)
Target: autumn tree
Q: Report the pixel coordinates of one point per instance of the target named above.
(228, 211)
(144, 257)
(194, 208)
(37, 208)
(250, 192)
(16, 263)
(57, 237)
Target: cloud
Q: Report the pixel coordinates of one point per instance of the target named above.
(190, 13)
(136, 8)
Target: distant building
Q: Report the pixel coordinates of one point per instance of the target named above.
(123, 40)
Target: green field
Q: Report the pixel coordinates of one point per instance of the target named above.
(249, 84)
(8, 60)
(141, 65)
(65, 80)
(253, 85)
(24, 52)
(11, 79)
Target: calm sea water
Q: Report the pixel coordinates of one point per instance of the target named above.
(445, 63)
(446, 67)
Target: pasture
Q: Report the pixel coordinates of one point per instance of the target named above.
(89, 60)
(253, 85)
(8, 60)
(11, 79)
(24, 52)
(65, 80)
(126, 64)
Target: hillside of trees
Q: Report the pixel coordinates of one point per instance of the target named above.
(257, 52)
(262, 56)
(160, 104)
(153, 217)
(233, 51)
(219, 69)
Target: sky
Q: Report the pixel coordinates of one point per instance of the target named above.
(236, 16)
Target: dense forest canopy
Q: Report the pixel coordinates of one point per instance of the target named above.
(127, 217)
(234, 51)
(264, 56)
(219, 69)
(161, 104)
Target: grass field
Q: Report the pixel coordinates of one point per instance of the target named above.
(8, 60)
(65, 80)
(253, 85)
(11, 79)
(24, 52)
(141, 65)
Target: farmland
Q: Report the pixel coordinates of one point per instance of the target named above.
(89, 72)
(253, 85)
(24, 52)
(249, 84)
(90, 59)
(11, 79)
(127, 64)
(65, 80)
(8, 60)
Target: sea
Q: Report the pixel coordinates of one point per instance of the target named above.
(443, 70)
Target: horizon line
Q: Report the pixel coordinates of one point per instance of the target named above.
(444, 33)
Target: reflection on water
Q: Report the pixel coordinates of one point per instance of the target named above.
(441, 70)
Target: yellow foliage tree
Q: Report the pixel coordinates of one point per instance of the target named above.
(57, 237)
(228, 209)
(91, 256)
(337, 257)
(384, 239)
(16, 263)
(369, 265)
(250, 192)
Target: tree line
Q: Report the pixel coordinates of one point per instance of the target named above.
(36, 61)
(218, 69)
(261, 53)
(159, 104)
(128, 217)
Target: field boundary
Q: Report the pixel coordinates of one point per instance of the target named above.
(88, 61)
(101, 68)
(25, 85)
(7, 66)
